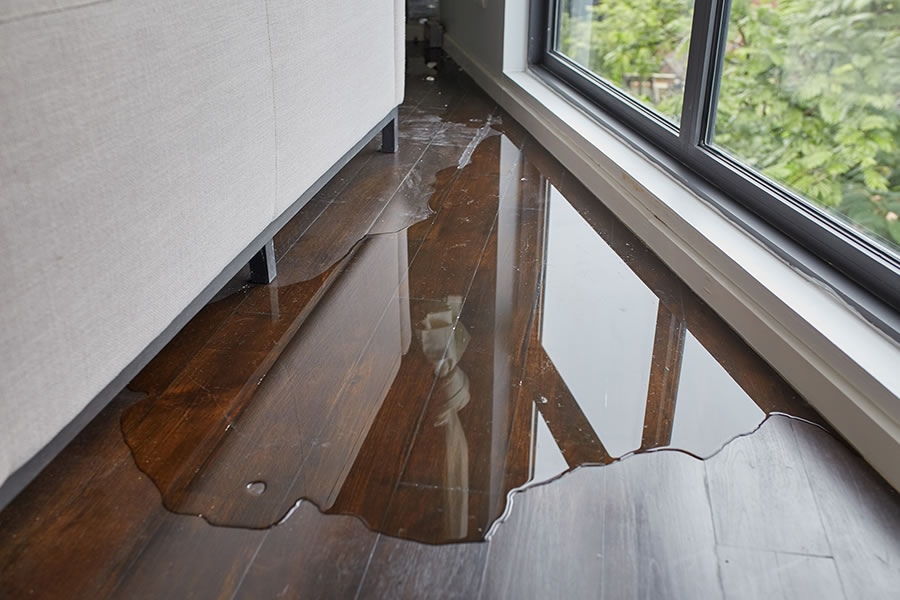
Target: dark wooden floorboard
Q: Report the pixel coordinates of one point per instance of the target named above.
(413, 200)
(353, 212)
(749, 574)
(309, 556)
(761, 496)
(445, 262)
(860, 514)
(77, 528)
(639, 528)
(303, 453)
(219, 557)
(374, 475)
(400, 569)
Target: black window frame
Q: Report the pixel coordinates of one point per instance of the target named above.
(863, 261)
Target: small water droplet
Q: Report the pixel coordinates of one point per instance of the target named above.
(256, 487)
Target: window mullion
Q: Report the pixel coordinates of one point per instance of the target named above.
(541, 26)
(701, 79)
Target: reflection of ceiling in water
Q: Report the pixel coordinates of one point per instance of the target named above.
(496, 331)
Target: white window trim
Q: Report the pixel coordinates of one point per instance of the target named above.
(845, 367)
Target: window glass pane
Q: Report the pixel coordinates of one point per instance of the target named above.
(809, 96)
(639, 46)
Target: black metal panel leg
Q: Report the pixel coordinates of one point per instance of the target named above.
(389, 137)
(262, 265)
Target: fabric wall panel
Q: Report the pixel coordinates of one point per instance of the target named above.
(12, 10)
(137, 160)
(399, 50)
(334, 73)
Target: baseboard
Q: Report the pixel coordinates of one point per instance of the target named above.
(22, 476)
(850, 384)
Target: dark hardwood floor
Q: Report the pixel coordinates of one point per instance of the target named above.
(468, 380)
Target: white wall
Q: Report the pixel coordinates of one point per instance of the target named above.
(476, 26)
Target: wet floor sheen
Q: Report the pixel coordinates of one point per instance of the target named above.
(488, 325)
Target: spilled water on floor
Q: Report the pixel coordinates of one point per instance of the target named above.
(491, 326)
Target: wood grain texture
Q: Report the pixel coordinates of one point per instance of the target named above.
(375, 473)
(761, 496)
(220, 556)
(399, 569)
(638, 528)
(309, 556)
(665, 371)
(74, 532)
(307, 418)
(860, 513)
(353, 212)
(748, 574)
(445, 262)
(419, 195)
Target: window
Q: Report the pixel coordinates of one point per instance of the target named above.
(790, 107)
(640, 47)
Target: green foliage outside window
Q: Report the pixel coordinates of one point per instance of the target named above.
(808, 96)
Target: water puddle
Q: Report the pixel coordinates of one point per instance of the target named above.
(492, 331)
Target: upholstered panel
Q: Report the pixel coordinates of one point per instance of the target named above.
(11, 10)
(399, 49)
(137, 159)
(325, 104)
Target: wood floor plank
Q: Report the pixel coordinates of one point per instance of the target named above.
(463, 121)
(219, 558)
(187, 421)
(445, 262)
(292, 294)
(418, 125)
(169, 362)
(860, 512)
(639, 528)
(750, 574)
(376, 471)
(419, 195)
(353, 212)
(658, 530)
(75, 530)
(309, 555)
(434, 249)
(403, 569)
(294, 229)
(334, 189)
(448, 87)
(760, 494)
(530, 551)
(462, 444)
(306, 419)
(438, 514)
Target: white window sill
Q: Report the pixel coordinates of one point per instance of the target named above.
(845, 367)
